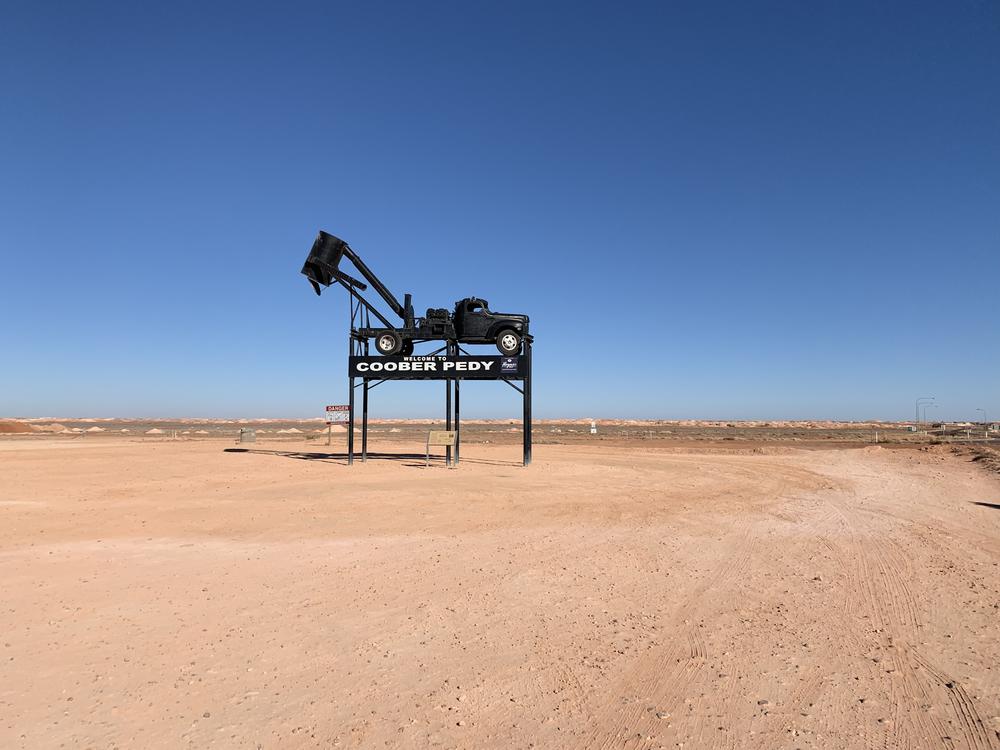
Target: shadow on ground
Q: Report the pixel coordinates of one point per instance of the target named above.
(995, 506)
(413, 459)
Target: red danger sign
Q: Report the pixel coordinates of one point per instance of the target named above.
(337, 413)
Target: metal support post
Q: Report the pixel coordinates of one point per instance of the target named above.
(458, 423)
(526, 398)
(451, 351)
(447, 418)
(350, 425)
(364, 421)
(352, 348)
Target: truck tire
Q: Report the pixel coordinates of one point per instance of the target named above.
(509, 342)
(388, 343)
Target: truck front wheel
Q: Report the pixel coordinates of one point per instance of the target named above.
(388, 343)
(508, 342)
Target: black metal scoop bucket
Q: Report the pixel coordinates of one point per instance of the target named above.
(321, 265)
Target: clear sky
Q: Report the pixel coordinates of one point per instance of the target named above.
(720, 210)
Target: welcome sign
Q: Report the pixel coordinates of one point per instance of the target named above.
(435, 367)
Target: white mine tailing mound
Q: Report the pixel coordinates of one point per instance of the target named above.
(292, 431)
(54, 427)
(94, 429)
(154, 431)
(201, 432)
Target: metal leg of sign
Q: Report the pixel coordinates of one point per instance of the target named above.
(364, 421)
(452, 350)
(458, 423)
(526, 399)
(350, 425)
(447, 418)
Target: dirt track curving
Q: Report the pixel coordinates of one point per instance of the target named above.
(176, 595)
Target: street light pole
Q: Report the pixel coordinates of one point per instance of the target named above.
(916, 415)
(986, 423)
(917, 405)
(932, 406)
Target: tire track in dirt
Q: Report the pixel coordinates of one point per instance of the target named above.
(889, 606)
(873, 592)
(887, 599)
(671, 663)
(971, 723)
(784, 500)
(662, 682)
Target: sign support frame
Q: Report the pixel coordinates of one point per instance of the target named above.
(359, 346)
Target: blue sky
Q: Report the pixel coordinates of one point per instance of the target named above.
(732, 210)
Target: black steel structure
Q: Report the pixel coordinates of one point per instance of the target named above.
(471, 323)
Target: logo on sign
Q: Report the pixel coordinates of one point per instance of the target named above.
(508, 364)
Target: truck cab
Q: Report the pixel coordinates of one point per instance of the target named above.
(475, 323)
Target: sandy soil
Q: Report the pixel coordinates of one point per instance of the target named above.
(171, 594)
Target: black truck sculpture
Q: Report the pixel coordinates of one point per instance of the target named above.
(472, 321)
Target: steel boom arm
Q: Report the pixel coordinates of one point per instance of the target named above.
(322, 270)
(376, 282)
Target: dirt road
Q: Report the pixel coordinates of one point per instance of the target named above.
(170, 594)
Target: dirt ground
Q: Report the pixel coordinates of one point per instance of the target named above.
(165, 594)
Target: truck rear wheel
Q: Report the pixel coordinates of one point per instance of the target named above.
(508, 342)
(388, 343)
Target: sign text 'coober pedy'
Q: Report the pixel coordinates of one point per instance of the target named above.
(437, 367)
